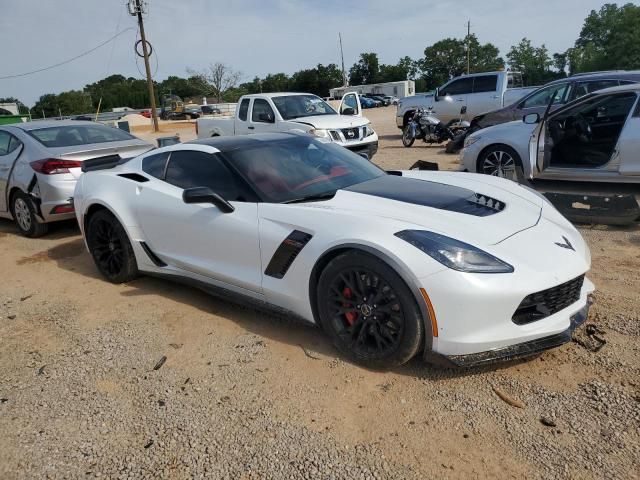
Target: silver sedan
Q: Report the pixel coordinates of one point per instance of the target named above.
(41, 161)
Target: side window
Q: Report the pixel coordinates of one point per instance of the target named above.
(485, 83)
(188, 168)
(8, 143)
(154, 165)
(5, 139)
(13, 143)
(461, 86)
(262, 111)
(244, 109)
(542, 97)
(582, 88)
(602, 109)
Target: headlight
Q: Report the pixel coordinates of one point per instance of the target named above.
(320, 132)
(453, 253)
(471, 140)
(368, 131)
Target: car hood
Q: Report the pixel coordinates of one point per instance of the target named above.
(332, 121)
(473, 208)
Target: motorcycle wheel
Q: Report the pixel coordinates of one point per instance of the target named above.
(407, 138)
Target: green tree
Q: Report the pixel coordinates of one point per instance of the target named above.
(277, 82)
(366, 71)
(534, 62)
(119, 91)
(609, 40)
(447, 58)
(72, 102)
(405, 69)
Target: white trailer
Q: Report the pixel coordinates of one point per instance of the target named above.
(401, 89)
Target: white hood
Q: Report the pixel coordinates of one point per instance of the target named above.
(332, 121)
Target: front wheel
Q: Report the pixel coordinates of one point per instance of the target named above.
(407, 136)
(368, 311)
(110, 248)
(499, 161)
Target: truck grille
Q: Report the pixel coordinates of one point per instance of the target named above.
(547, 302)
(351, 133)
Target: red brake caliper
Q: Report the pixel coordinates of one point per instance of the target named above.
(350, 316)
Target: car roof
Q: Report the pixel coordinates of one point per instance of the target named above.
(38, 124)
(613, 75)
(277, 94)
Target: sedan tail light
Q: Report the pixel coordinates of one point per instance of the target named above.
(52, 166)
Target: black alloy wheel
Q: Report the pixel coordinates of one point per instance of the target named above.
(110, 248)
(369, 311)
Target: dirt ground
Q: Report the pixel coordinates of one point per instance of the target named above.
(245, 395)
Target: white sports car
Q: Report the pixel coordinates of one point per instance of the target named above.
(464, 268)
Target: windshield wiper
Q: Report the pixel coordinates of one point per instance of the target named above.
(313, 198)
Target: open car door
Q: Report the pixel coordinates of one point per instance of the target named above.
(350, 105)
(540, 145)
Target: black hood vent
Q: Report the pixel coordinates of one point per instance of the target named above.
(430, 194)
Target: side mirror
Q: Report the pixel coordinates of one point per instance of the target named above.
(206, 195)
(436, 94)
(266, 117)
(348, 111)
(531, 118)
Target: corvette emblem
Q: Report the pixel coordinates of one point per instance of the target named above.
(566, 244)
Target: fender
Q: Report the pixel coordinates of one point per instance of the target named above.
(404, 273)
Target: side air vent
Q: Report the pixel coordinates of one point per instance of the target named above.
(286, 253)
(154, 258)
(136, 177)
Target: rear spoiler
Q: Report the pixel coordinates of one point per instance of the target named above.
(103, 163)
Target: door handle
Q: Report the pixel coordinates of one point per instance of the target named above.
(459, 99)
(251, 127)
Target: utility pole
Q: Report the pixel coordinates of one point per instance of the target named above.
(344, 75)
(135, 9)
(468, 46)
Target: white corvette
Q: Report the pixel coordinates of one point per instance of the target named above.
(461, 267)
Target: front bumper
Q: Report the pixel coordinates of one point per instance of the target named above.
(369, 148)
(512, 352)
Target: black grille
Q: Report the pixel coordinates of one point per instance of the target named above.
(547, 302)
(351, 133)
(335, 135)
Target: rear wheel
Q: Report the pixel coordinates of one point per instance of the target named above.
(24, 214)
(407, 137)
(499, 161)
(110, 248)
(368, 311)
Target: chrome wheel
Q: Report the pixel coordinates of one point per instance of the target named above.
(499, 164)
(22, 214)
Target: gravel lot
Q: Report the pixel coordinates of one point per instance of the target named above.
(242, 395)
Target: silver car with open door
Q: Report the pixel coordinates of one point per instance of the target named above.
(41, 161)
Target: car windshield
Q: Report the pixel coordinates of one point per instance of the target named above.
(69, 135)
(300, 168)
(294, 106)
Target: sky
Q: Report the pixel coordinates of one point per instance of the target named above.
(255, 37)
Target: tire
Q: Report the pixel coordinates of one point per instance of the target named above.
(379, 335)
(499, 161)
(110, 248)
(24, 214)
(406, 141)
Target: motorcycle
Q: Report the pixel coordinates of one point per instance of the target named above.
(426, 126)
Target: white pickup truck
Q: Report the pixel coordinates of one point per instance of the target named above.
(304, 112)
(466, 96)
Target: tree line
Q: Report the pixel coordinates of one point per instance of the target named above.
(608, 40)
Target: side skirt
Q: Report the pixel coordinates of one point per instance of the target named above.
(239, 299)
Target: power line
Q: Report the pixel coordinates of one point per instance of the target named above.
(69, 60)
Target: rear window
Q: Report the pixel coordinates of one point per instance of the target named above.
(70, 135)
(485, 83)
